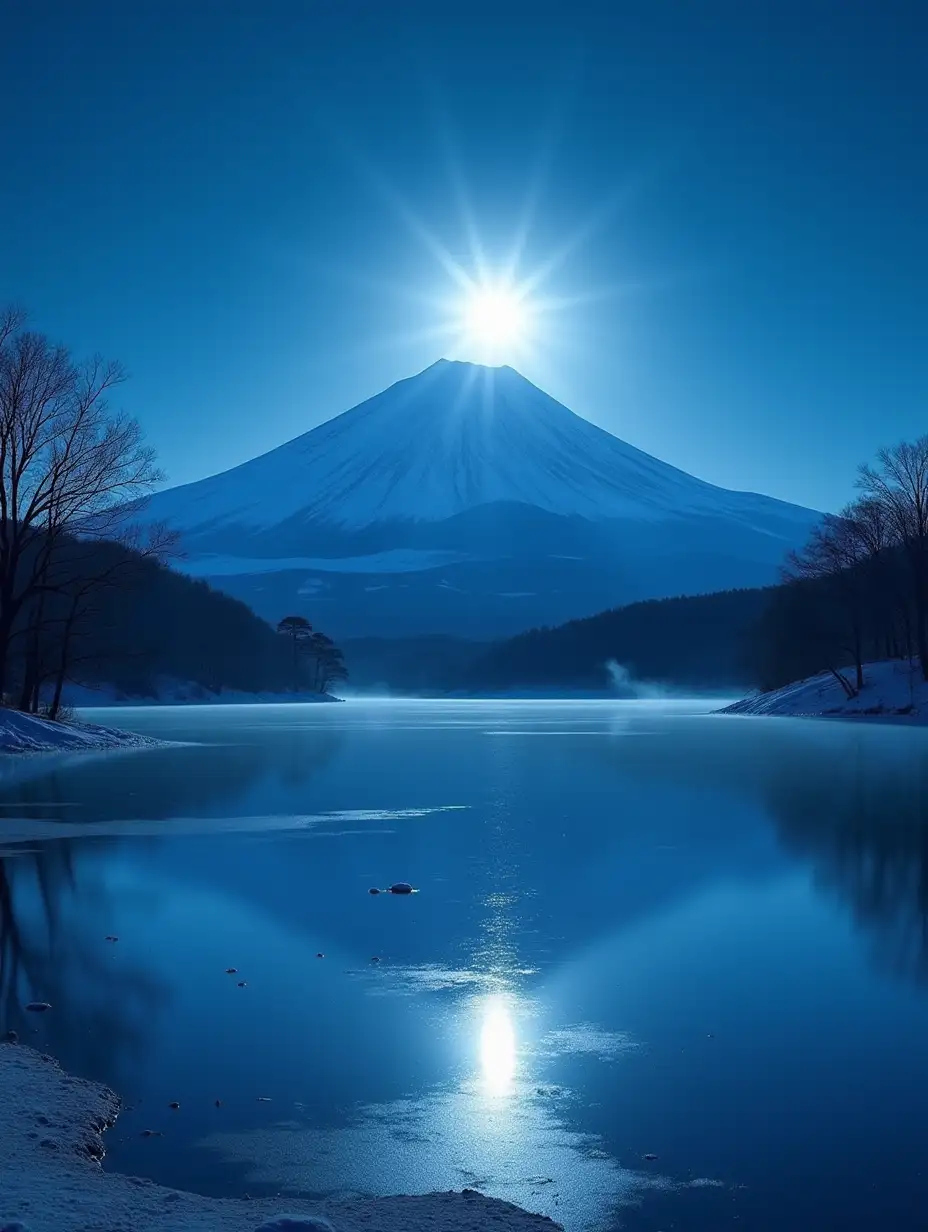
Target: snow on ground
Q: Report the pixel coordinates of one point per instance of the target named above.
(891, 690)
(51, 1127)
(27, 733)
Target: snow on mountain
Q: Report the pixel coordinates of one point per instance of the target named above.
(455, 437)
(465, 500)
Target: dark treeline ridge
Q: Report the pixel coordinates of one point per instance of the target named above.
(143, 626)
(413, 666)
(700, 642)
(858, 591)
(85, 594)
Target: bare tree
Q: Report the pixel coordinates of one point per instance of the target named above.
(836, 558)
(81, 573)
(69, 466)
(899, 485)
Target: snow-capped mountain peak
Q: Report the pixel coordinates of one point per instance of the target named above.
(465, 500)
(455, 437)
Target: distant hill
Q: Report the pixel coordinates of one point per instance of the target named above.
(152, 623)
(697, 642)
(410, 665)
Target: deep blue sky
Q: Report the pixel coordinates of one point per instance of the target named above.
(209, 192)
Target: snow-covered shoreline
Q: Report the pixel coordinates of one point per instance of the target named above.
(28, 733)
(893, 692)
(51, 1180)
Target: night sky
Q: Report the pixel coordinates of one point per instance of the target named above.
(267, 211)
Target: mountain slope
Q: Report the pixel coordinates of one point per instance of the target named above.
(472, 482)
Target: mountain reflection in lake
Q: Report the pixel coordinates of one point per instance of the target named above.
(642, 931)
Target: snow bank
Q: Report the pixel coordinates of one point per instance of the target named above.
(51, 1127)
(27, 733)
(893, 690)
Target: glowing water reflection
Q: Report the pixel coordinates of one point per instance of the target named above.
(497, 1048)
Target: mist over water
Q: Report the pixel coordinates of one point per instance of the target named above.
(625, 685)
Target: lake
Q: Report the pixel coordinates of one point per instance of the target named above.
(664, 969)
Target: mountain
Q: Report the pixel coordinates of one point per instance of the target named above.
(466, 501)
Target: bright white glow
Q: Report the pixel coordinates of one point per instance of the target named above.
(497, 1048)
(495, 318)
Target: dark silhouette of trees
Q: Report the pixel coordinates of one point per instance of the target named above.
(329, 663)
(858, 591)
(316, 662)
(84, 594)
(841, 556)
(898, 486)
(298, 632)
(698, 641)
(68, 467)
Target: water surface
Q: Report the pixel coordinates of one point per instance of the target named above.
(641, 930)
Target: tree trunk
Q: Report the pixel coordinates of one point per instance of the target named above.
(845, 684)
(61, 674)
(921, 638)
(7, 621)
(55, 705)
(858, 656)
(31, 662)
(25, 692)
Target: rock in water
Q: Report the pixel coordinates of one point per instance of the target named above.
(401, 887)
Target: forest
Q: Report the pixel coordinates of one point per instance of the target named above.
(86, 596)
(695, 642)
(858, 591)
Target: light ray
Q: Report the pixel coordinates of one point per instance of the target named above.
(496, 310)
(551, 137)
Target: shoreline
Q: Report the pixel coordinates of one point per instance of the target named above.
(52, 1127)
(30, 734)
(894, 694)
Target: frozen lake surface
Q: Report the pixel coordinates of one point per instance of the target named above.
(664, 969)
